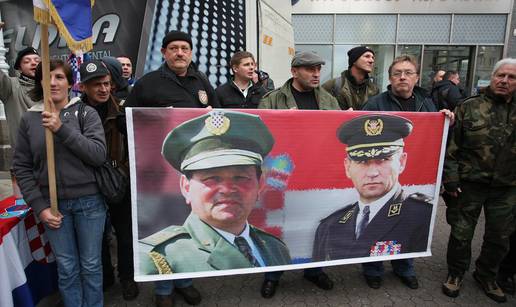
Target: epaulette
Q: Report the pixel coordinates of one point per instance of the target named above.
(164, 235)
(263, 232)
(469, 98)
(341, 215)
(270, 92)
(420, 197)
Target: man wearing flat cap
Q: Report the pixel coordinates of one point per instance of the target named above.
(220, 156)
(385, 220)
(354, 86)
(303, 90)
(177, 83)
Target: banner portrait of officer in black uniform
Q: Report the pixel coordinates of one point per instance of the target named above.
(384, 221)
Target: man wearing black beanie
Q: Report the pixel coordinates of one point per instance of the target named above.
(354, 86)
(177, 83)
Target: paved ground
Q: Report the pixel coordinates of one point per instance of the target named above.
(350, 288)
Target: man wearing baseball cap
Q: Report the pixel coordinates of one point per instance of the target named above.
(303, 92)
(354, 85)
(13, 90)
(96, 87)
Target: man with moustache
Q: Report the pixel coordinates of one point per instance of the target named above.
(241, 92)
(96, 88)
(177, 83)
(479, 172)
(219, 155)
(354, 86)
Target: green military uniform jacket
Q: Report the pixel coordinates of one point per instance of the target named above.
(283, 98)
(197, 247)
(482, 148)
(350, 94)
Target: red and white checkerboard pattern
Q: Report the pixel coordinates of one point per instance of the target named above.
(39, 245)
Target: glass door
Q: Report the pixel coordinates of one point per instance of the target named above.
(458, 58)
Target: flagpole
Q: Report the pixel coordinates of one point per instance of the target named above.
(49, 136)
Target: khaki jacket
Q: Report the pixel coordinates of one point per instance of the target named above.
(197, 247)
(282, 98)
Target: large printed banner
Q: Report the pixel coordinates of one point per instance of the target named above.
(225, 192)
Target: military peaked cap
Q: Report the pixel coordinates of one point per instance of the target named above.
(217, 139)
(374, 136)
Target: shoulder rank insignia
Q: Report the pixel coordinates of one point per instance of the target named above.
(217, 123)
(161, 263)
(394, 209)
(346, 216)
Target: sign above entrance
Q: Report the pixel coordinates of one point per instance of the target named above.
(401, 6)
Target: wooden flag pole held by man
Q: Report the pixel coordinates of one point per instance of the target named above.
(73, 21)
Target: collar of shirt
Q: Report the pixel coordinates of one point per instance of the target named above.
(246, 90)
(376, 205)
(247, 236)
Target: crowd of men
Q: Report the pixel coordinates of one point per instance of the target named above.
(478, 170)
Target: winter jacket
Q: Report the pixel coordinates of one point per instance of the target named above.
(76, 155)
(283, 98)
(13, 94)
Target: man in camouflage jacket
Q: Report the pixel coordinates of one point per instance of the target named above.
(479, 173)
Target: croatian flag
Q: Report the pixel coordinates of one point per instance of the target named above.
(27, 265)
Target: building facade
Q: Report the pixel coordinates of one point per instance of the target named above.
(468, 36)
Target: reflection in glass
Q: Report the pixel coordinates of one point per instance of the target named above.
(487, 57)
(457, 58)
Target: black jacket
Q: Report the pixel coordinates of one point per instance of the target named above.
(402, 224)
(162, 88)
(386, 101)
(230, 96)
(446, 95)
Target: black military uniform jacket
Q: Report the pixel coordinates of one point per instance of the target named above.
(162, 88)
(401, 226)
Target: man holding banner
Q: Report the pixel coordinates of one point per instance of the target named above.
(402, 95)
(220, 156)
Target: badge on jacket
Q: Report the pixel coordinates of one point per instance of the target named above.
(203, 97)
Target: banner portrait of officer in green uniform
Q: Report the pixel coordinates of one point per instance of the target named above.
(219, 156)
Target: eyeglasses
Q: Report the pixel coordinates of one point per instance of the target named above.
(408, 73)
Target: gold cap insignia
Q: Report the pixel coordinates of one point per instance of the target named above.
(346, 217)
(203, 97)
(373, 127)
(217, 123)
(394, 209)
